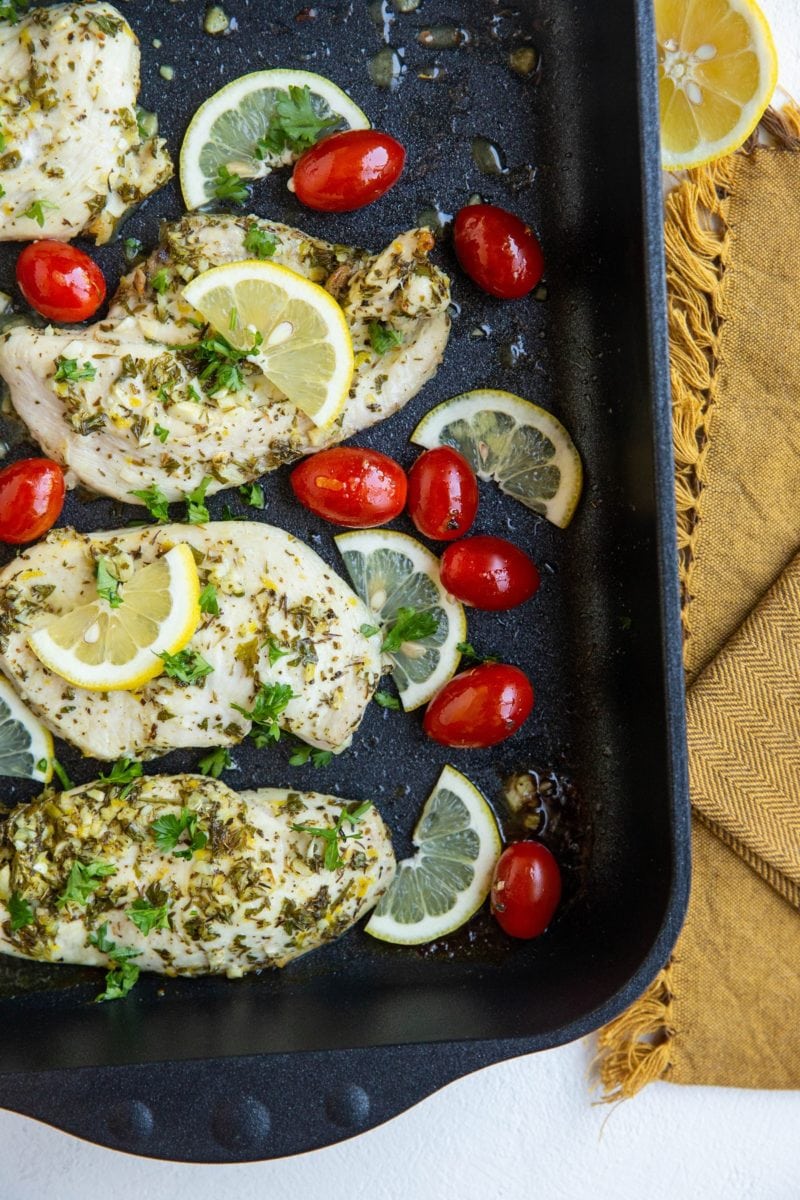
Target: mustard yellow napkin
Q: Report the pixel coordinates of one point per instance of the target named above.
(724, 1009)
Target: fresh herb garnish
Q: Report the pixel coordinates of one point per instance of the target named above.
(68, 369)
(230, 186)
(383, 338)
(131, 249)
(468, 651)
(19, 911)
(301, 754)
(274, 651)
(386, 700)
(124, 973)
(36, 210)
(123, 775)
(83, 880)
(294, 124)
(260, 243)
(107, 24)
(271, 699)
(196, 511)
(12, 10)
(215, 762)
(332, 835)
(208, 600)
(187, 666)
(409, 626)
(61, 775)
(155, 502)
(169, 830)
(108, 584)
(369, 630)
(252, 494)
(221, 363)
(150, 913)
(160, 281)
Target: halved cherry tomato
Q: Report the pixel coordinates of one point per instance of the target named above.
(489, 573)
(526, 889)
(60, 281)
(442, 494)
(480, 707)
(350, 486)
(497, 250)
(31, 499)
(348, 170)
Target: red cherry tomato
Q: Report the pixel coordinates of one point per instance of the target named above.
(352, 487)
(480, 707)
(489, 573)
(442, 494)
(60, 281)
(348, 170)
(31, 499)
(526, 889)
(497, 250)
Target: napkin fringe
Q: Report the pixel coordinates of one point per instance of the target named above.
(636, 1047)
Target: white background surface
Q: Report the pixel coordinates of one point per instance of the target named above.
(521, 1130)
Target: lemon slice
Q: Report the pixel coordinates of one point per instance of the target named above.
(525, 449)
(26, 747)
(108, 649)
(305, 348)
(225, 130)
(449, 877)
(717, 69)
(390, 571)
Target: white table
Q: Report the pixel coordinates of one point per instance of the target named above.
(520, 1130)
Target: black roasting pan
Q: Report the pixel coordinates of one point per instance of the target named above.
(342, 1040)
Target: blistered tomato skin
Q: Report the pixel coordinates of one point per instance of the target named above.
(350, 486)
(489, 573)
(479, 708)
(526, 889)
(60, 281)
(442, 494)
(348, 170)
(497, 250)
(31, 499)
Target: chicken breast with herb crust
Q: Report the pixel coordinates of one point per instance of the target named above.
(181, 875)
(146, 397)
(74, 159)
(285, 619)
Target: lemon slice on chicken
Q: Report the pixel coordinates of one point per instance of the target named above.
(105, 649)
(296, 331)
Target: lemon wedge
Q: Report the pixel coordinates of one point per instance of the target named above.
(105, 649)
(26, 747)
(298, 333)
(717, 69)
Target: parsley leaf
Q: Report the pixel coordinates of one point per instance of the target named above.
(252, 494)
(275, 651)
(221, 363)
(215, 762)
(382, 337)
(160, 432)
(124, 973)
(294, 124)
(68, 369)
(106, 24)
(61, 775)
(12, 10)
(369, 630)
(160, 281)
(101, 940)
(196, 511)
(260, 243)
(271, 699)
(108, 584)
(386, 700)
(208, 600)
(131, 249)
(302, 753)
(187, 666)
(409, 626)
(468, 651)
(332, 835)
(155, 502)
(83, 880)
(123, 775)
(148, 916)
(169, 829)
(36, 210)
(19, 911)
(230, 186)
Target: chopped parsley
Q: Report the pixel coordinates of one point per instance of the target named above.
(221, 363)
(36, 210)
(301, 754)
(149, 912)
(383, 338)
(108, 584)
(107, 24)
(468, 651)
(160, 432)
(155, 502)
(208, 600)
(275, 651)
(271, 700)
(123, 974)
(386, 700)
(160, 281)
(187, 666)
(215, 762)
(83, 880)
(196, 511)
(12, 10)
(252, 494)
(61, 775)
(409, 626)
(369, 630)
(19, 911)
(68, 369)
(260, 243)
(131, 249)
(294, 124)
(230, 186)
(332, 835)
(169, 830)
(123, 775)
